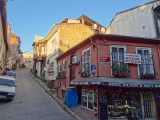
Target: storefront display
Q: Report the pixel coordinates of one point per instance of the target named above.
(121, 103)
(88, 98)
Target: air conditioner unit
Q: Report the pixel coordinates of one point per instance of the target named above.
(75, 59)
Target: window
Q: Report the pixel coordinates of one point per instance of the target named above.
(146, 66)
(117, 53)
(119, 68)
(121, 103)
(59, 67)
(51, 45)
(86, 60)
(88, 98)
(64, 64)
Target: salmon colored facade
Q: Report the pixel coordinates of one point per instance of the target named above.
(116, 77)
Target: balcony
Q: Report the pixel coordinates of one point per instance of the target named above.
(41, 57)
(35, 56)
(120, 70)
(147, 71)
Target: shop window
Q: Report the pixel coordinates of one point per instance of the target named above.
(124, 104)
(88, 98)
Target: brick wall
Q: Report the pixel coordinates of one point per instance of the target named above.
(73, 34)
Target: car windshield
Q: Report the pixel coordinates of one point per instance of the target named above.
(10, 73)
(7, 82)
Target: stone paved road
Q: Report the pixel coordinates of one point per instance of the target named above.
(31, 102)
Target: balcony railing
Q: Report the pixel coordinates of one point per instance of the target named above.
(120, 69)
(41, 57)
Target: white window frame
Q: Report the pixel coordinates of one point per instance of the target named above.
(85, 50)
(142, 48)
(65, 60)
(87, 98)
(118, 46)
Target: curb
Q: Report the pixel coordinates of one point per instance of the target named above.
(56, 99)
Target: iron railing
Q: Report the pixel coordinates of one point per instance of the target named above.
(119, 68)
(146, 68)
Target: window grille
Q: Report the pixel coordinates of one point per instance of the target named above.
(148, 105)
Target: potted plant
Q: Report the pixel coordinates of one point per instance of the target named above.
(124, 69)
(115, 69)
(63, 74)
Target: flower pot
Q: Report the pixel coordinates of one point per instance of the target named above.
(115, 73)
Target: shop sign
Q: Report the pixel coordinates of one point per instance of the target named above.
(133, 85)
(132, 58)
(105, 60)
(79, 83)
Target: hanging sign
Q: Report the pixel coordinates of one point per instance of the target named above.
(132, 58)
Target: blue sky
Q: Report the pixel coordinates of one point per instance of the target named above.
(36, 17)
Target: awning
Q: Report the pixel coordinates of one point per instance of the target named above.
(118, 82)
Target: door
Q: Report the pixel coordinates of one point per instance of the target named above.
(79, 92)
(72, 68)
(103, 104)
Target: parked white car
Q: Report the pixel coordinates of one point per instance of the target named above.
(7, 87)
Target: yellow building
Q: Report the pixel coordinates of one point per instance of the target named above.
(28, 59)
(61, 37)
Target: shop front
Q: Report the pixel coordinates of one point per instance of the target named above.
(120, 99)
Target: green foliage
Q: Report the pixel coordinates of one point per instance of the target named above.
(48, 83)
(115, 66)
(63, 73)
(124, 67)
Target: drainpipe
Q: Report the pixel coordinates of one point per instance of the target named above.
(95, 45)
(158, 53)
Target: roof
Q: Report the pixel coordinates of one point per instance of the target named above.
(132, 9)
(109, 36)
(117, 82)
(86, 17)
(5, 77)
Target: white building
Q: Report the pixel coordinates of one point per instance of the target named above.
(142, 21)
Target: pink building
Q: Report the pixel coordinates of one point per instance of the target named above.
(117, 76)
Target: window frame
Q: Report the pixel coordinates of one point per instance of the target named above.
(83, 51)
(117, 46)
(143, 48)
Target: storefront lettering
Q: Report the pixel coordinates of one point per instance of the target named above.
(114, 84)
(95, 83)
(157, 86)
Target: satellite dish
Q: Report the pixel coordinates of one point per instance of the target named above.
(95, 26)
(102, 30)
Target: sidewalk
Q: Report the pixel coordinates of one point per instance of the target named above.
(78, 112)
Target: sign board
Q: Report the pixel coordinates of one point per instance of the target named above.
(105, 60)
(132, 58)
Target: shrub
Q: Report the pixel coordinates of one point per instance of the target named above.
(48, 83)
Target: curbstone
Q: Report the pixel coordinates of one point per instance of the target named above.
(55, 98)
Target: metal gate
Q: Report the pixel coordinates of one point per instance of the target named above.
(148, 105)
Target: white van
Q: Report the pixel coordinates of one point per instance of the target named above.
(7, 87)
